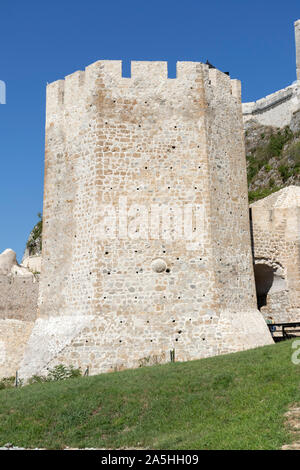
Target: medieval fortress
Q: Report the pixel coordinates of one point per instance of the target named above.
(147, 246)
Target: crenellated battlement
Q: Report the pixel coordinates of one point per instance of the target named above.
(144, 74)
(141, 69)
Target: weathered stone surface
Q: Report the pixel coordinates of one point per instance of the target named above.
(158, 141)
(14, 335)
(295, 122)
(33, 263)
(276, 222)
(275, 109)
(18, 310)
(18, 297)
(9, 265)
(18, 289)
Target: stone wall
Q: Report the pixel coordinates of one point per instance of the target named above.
(18, 297)
(14, 335)
(33, 263)
(18, 311)
(276, 109)
(276, 221)
(148, 140)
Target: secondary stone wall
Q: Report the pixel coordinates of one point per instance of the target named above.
(276, 222)
(14, 335)
(18, 311)
(18, 297)
(33, 263)
(276, 109)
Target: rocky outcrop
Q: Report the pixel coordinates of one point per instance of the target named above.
(273, 157)
(9, 265)
(34, 242)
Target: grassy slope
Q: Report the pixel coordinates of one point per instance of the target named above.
(235, 401)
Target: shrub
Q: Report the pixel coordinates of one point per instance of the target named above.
(59, 372)
(271, 182)
(254, 165)
(284, 171)
(62, 372)
(294, 154)
(37, 379)
(260, 193)
(7, 382)
(275, 145)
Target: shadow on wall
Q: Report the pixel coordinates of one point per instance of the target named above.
(264, 278)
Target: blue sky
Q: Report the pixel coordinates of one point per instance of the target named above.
(43, 41)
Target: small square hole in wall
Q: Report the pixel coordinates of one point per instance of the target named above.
(126, 68)
(172, 69)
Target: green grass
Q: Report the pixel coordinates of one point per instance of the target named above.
(36, 235)
(235, 401)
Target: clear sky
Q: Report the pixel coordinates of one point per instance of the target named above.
(43, 41)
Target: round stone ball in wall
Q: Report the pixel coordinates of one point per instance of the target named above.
(159, 265)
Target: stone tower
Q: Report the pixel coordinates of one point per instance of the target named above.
(297, 36)
(114, 293)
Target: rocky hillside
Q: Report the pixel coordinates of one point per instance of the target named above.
(273, 157)
(34, 242)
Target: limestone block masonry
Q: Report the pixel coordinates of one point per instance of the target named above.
(276, 222)
(276, 109)
(33, 263)
(18, 297)
(18, 310)
(18, 289)
(127, 301)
